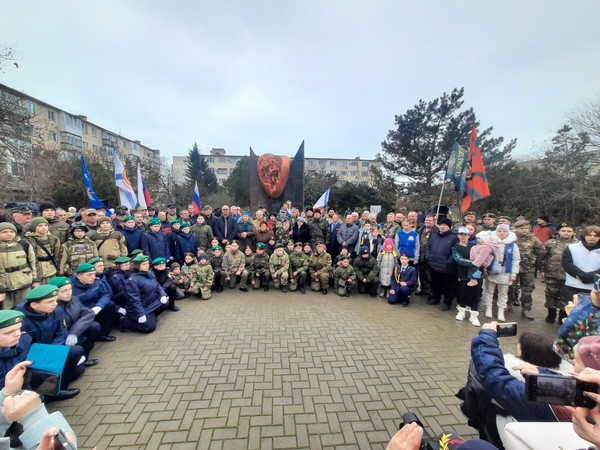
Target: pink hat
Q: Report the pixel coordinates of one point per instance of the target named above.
(388, 242)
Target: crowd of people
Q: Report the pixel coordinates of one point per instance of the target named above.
(70, 276)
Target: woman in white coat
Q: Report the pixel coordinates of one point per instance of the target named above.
(506, 263)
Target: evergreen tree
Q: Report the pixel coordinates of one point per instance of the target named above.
(238, 182)
(198, 171)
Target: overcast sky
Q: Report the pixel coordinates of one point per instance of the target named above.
(269, 74)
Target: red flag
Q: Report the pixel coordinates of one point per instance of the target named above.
(476, 180)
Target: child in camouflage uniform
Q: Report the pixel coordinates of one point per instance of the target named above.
(77, 250)
(345, 278)
(216, 262)
(17, 267)
(279, 265)
(260, 273)
(181, 281)
(298, 268)
(202, 278)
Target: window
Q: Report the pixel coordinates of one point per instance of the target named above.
(365, 173)
(32, 108)
(94, 132)
(322, 162)
(51, 115)
(354, 173)
(84, 127)
(211, 160)
(365, 163)
(124, 144)
(311, 162)
(85, 145)
(332, 172)
(95, 147)
(353, 163)
(52, 136)
(333, 163)
(222, 160)
(222, 171)
(323, 172)
(343, 163)
(16, 169)
(344, 173)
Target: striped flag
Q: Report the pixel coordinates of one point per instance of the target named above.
(196, 200)
(476, 180)
(126, 192)
(143, 192)
(323, 200)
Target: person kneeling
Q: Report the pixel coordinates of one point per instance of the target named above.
(146, 299)
(404, 278)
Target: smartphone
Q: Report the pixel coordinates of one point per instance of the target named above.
(506, 329)
(44, 383)
(597, 282)
(559, 390)
(61, 442)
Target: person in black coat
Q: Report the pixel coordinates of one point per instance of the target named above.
(146, 299)
(333, 246)
(116, 277)
(79, 320)
(159, 268)
(404, 279)
(441, 263)
(300, 231)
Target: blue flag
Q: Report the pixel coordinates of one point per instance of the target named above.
(457, 167)
(94, 200)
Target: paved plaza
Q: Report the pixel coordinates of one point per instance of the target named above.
(271, 370)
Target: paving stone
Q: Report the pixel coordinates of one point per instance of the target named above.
(280, 371)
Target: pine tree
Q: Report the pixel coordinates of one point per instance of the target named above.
(198, 171)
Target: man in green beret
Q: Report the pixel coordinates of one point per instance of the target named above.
(489, 222)
(44, 322)
(14, 346)
(95, 294)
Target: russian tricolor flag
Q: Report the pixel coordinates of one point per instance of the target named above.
(143, 192)
(196, 200)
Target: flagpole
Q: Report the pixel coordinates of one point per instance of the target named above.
(440, 202)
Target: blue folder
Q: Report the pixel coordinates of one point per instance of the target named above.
(48, 359)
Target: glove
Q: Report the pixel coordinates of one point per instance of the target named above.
(71, 339)
(96, 309)
(164, 299)
(477, 274)
(122, 311)
(142, 319)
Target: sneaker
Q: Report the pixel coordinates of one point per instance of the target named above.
(444, 307)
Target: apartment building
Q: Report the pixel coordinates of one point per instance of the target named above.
(353, 170)
(73, 134)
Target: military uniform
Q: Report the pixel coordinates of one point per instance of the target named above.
(530, 249)
(279, 267)
(319, 266)
(554, 274)
(345, 280)
(299, 264)
(59, 229)
(216, 262)
(110, 245)
(204, 234)
(202, 279)
(233, 263)
(366, 268)
(389, 230)
(17, 271)
(75, 252)
(319, 231)
(283, 226)
(47, 254)
(260, 271)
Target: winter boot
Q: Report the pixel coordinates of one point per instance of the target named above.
(551, 317)
(488, 312)
(474, 319)
(561, 316)
(461, 313)
(501, 314)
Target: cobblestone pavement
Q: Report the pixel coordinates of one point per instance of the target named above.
(273, 370)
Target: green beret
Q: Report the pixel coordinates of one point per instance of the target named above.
(135, 252)
(217, 247)
(505, 218)
(489, 215)
(159, 261)
(564, 225)
(520, 223)
(7, 226)
(154, 221)
(140, 259)
(261, 245)
(122, 259)
(185, 224)
(85, 267)
(10, 317)
(59, 281)
(175, 221)
(95, 260)
(36, 221)
(126, 218)
(41, 292)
